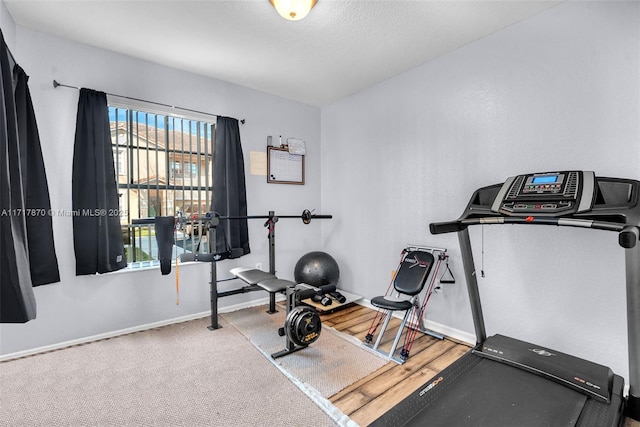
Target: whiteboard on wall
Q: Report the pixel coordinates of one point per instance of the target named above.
(284, 167)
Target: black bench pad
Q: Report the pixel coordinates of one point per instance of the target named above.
(275, 285)
(252, 276)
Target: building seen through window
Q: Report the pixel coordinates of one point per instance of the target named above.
(163, 166)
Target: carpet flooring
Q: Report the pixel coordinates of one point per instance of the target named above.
(178, 375)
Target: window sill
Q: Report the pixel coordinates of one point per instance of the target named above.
(149, 266)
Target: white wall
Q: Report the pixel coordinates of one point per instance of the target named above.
(558, 91)
(84, 306)
(8, 26)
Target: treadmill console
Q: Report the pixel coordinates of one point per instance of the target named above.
(546, 194)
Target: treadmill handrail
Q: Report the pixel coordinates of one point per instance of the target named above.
(458, 225)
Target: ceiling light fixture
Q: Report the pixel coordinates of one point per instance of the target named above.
(293, 10)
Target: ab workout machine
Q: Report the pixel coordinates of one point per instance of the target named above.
(418, 266)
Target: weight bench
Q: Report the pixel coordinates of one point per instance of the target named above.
(267, 281)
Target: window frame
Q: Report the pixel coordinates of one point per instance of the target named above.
(189, 153)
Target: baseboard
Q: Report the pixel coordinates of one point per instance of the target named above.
(439, 328)
(139, 328)
(434, 326)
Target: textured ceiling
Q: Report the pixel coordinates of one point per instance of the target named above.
(342, 47)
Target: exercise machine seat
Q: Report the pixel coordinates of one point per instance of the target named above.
(384, 303)
(275, 285)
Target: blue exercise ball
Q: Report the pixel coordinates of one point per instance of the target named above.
(317, 269)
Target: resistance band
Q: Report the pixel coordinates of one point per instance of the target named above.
(415, 320)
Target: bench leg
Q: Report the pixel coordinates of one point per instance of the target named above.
(272, 303)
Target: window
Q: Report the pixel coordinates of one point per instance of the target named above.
(119, 160)
(163, 166)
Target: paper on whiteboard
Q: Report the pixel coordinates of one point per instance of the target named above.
(297, 146)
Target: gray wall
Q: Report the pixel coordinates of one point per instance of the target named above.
(558, 91)
(79, 307)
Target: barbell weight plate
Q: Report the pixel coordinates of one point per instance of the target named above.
(303, 325)
(306, 216)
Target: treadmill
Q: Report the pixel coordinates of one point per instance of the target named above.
(507, 382)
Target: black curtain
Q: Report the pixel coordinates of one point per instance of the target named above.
(27, 254)
(229, 190)
(42, 253)
(97, 233)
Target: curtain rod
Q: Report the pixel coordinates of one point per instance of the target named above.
(56, 84)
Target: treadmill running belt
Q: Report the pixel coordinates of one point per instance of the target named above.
(482, 392)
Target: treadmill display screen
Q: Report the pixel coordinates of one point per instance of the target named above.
(546, 179)
(541, 184)
(549, 193)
